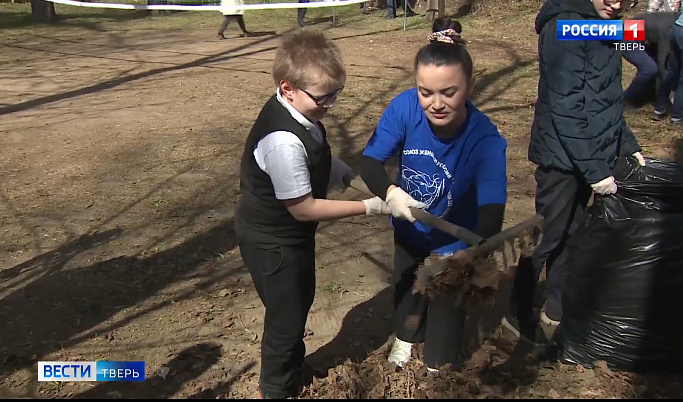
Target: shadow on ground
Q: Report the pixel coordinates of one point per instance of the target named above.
(63, 306)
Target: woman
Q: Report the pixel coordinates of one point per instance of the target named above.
(453, 164)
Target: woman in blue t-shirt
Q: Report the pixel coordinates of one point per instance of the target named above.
(453, 164)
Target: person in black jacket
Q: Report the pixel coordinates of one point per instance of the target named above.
(577, 133)
(657, 29)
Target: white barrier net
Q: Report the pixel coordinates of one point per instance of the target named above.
(202, 5)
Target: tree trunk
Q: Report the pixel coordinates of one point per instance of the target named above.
(43, 11)
(432, 9)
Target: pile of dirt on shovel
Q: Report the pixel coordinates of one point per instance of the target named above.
(495, 370)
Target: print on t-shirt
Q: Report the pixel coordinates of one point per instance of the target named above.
(424, 186)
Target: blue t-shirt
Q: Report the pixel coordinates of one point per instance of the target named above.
(453, 176)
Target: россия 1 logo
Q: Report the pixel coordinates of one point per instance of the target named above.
(607, 30)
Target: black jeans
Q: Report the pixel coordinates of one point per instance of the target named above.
(393, 5)
(285, 281)
(646, 74)
(439, 323)
(674, 76)
(561, 197)
(301, 13)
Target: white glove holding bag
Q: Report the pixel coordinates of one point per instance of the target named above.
(639, 157)
(376, 206)
(400, 202)
(605, 186)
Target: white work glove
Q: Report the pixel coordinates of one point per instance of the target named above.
(340, 172)
(639, 156)
(605, 186)
(375, 206)
(400, 202)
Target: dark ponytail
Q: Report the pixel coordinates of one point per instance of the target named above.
(446, 47)
(444, 23)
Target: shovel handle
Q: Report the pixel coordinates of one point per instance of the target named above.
(452, 229)
(425, 217)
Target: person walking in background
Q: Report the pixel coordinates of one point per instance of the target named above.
(301, 13)
(650, 63)
(672, 80)
(391, 9)
(232, 10)
(372, 5)
(368, 7)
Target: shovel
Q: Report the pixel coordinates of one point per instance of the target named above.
(478, 269)
(425, 217)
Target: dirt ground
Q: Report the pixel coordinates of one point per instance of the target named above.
(119, 171)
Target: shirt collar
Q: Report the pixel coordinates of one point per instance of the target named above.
(295, 113)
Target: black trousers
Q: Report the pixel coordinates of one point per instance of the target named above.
(561, 198)
(226, 21)
(438, 323)
(285, 281)
(301, 13)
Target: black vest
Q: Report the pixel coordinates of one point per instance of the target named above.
(261, 218)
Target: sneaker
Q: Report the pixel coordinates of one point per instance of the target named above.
(221, 36)
(400, 352)
(389, 17)
(658, 115)
(431, 370)
(677, 121)
(528, 331)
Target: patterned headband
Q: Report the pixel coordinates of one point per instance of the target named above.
(445, 36)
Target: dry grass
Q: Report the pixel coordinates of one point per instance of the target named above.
(119, 171)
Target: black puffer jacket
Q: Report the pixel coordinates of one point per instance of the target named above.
(578, 122)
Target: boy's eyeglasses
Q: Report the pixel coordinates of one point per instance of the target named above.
(324, 99)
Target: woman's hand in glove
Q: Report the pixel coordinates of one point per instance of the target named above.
(400, 202)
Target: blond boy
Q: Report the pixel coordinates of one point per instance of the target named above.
(285, 172)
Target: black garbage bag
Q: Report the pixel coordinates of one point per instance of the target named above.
(623, 290)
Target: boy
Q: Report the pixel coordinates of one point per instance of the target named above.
(577, 133)
(285, 171)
